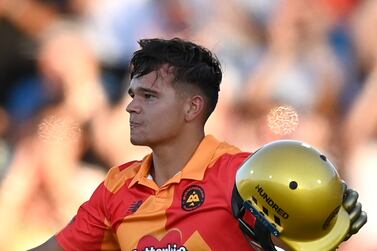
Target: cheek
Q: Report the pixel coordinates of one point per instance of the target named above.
(168, 117)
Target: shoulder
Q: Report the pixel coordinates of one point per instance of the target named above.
(120, 175)
(227, 153)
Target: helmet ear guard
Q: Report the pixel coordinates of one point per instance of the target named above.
(294, 193)
(255, 228)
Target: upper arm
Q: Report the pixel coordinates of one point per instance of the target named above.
(50, 245)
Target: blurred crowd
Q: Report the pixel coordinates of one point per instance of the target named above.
(64, 79)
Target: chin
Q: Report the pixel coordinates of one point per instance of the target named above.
(135, 142)
(138, 142)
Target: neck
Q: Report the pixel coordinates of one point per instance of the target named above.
(171, 158)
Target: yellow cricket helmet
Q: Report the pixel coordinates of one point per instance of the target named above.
(297, 193)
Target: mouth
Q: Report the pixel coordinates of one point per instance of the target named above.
(134, 124)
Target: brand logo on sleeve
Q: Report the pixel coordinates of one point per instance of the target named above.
(192, 198)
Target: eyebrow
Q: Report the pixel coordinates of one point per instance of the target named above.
(141, 90)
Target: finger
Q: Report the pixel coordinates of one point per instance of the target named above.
(359, 223)
(350, 199)
(355, 212)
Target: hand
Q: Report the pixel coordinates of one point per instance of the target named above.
(353, 207)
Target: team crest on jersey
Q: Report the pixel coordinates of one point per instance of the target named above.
(192, 198)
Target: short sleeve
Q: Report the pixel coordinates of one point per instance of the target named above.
(90, 228)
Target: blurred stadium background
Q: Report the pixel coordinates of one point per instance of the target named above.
(63, 80)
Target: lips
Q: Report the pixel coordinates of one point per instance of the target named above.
(134, 124)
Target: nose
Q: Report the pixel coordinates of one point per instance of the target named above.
(133, 107)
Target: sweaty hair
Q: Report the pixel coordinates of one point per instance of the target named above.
(192, 64)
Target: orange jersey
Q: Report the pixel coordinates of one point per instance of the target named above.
(191, 211)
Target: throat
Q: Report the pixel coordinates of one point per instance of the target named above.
(161, 177)
(168, 161)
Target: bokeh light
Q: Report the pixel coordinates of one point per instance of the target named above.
(282, 120)
(57, 129)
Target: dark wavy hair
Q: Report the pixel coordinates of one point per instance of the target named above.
(192, 64)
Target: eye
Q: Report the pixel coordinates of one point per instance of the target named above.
(148, 96)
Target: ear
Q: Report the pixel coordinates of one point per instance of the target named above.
(194, 107)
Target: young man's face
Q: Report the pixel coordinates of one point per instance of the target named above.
(156, 110)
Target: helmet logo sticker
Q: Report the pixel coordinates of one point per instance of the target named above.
(271, 202)
(192, 198)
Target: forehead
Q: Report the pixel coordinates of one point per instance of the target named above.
(155, 80)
